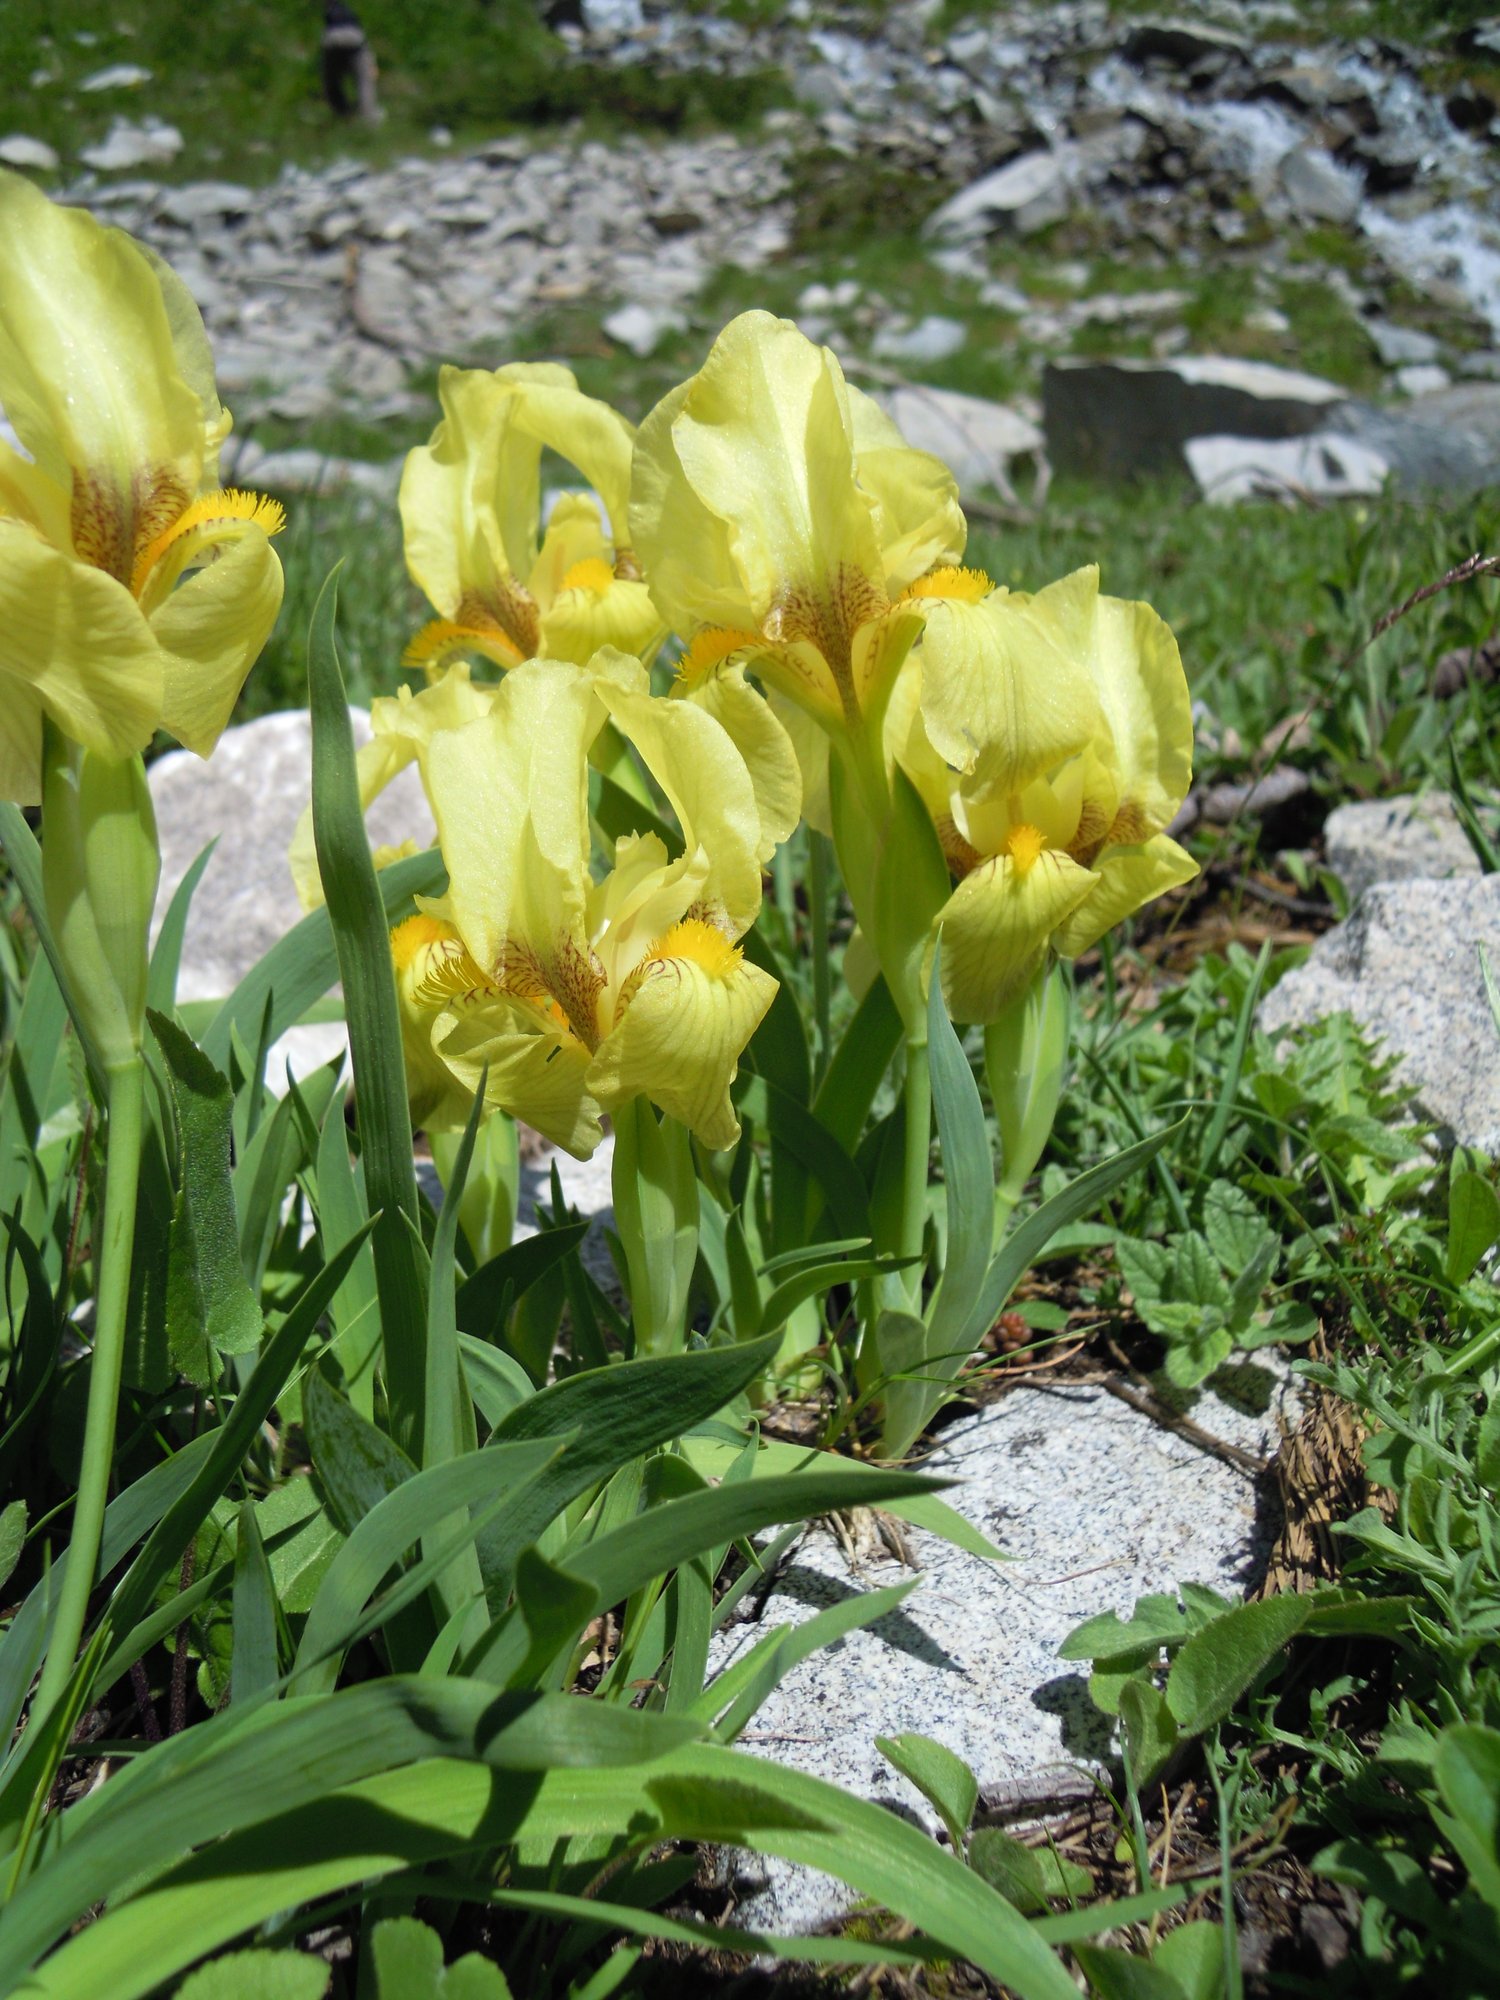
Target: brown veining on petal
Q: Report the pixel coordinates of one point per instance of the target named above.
(1129, 827)
(506, 605)
(564, 990)
(1093, 831)
(828, 619)
(110, 526)
(627, 566)
(961, 858)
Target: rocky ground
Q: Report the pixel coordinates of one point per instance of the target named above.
(954, 207)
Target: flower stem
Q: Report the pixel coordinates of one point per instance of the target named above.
(125, 1099)
(817, 894)
(918, 1143)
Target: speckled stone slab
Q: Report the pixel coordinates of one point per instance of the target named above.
(1096, 1504)
(1397, 840)
(1405, 964)
(250, 796)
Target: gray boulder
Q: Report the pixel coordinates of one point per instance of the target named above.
(1397, 840)
(1448, 439)
(1023, 196)
(980, 442)
(971, 1657)
(1123, 419)
(35, 155)
(1406, 965)
(1318, 189)
(1320, 466)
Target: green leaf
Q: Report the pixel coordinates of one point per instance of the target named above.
(1234, 1226)
(1245, 1295)
(12, 1538)
(1029, 1877)
(496, 1381)
(1158, 1620)
(860, 1062)
(254, 1665)
(1150, 1732)
(482, 1297)
(362, 937)
(225, 1449)
(1467, 1769)
(24, 858)
(210, 1307)
(1145, 1267)
(1120, 1975)
(357, 1465)
(1473, 1223)
(1195, 1275)
(948, 1340)
(940, 1775)
(166, 953)
(1222, 1659)
(1194, 1356)
(389, 1530)
(1194, 1955)
(265, 1775)
(27, 1079)
(408, 1958)
(1234, 1069)
(341, 1211)
(259, 1975)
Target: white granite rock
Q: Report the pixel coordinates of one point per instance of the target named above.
(1325, 465)
(150, 143)
(1405, 964)
(17, 150)
(1397, 840)
(1401, 346)
(979, 441)
(933, 338)
(641, 328)
(251, 795)
(1025, 195)
(1096, 1505)
(118, 76)
(1317, 188)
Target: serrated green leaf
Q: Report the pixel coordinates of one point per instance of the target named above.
(1158, 1620)
(356, 1464)
(1236, 1230)
(408, 1958)
(1029, 1877)
(1195, 1277)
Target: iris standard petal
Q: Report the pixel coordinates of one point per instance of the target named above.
(583, 430)
(683, 546)
(919, 524)
(89, 375)
(750, 723)
(1002, 699)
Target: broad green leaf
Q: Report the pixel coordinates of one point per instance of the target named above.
(614, 1414)
(825, 1161)
(1473, 1223)
(1222, 1659)
(1145, 1267)
(1029, 1877)
(356, 1464)
(1467, 1769)
(1195, 1275)
(24, 859)
(1150, 1731)
(408, 1958)
(1194, 1955)
(1245, 1293)
(1397, 1879)
(12, 1538)
(277, 1768)
(26, 1079)
(341, 1212)
(361, 934)
(302, 1540)
(1235, 1228)
(496, 1381)
(1194, 1355)
(649, 1546)
(380, 1540)
(482, 1296)
(210, 1307)
(254, 1666)
(407, 1817)
(860, 1062)
(554, 1607)
(1122, 1975)
(1157, 1620)
(259, 1975)
(940, 1775)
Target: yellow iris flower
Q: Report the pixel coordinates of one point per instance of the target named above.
(1051, 737)
(107, 379)
(780, 516)
(578, 996)
(470, 503)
